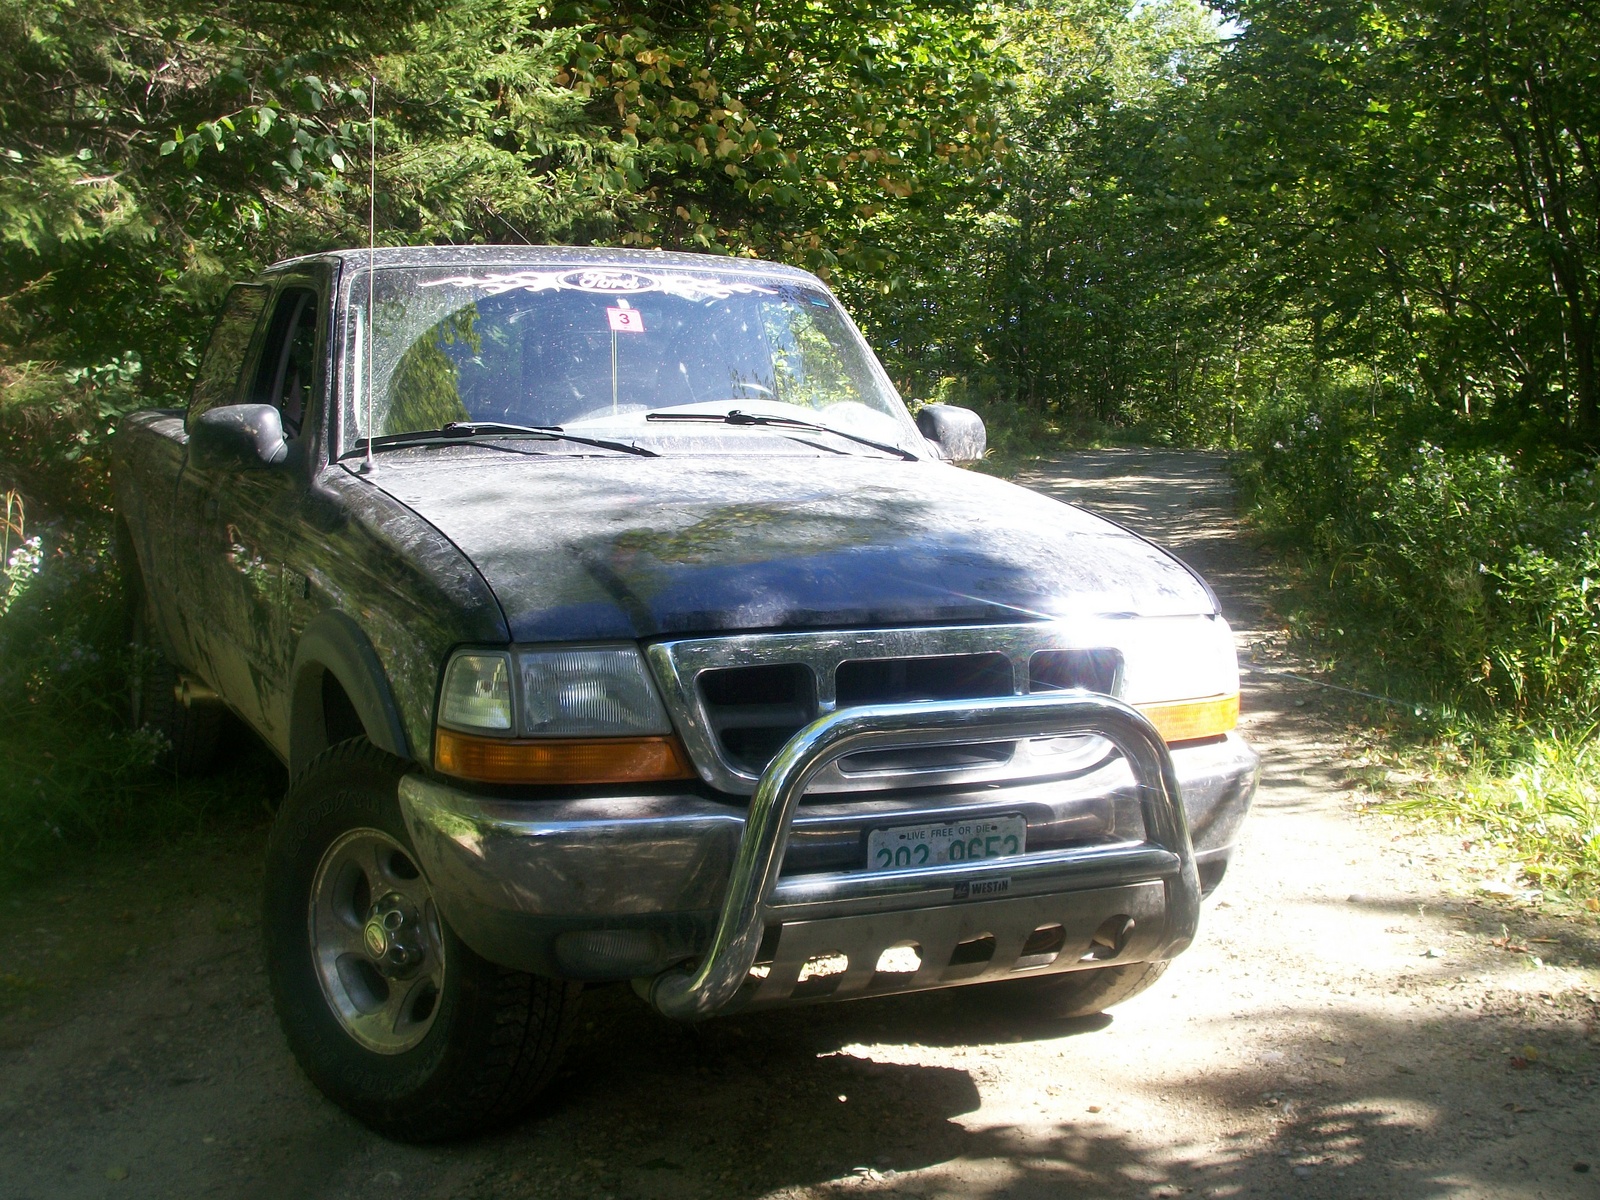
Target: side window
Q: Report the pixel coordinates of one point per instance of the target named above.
(218, 380)
(289, 358)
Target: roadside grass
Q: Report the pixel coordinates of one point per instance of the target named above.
(1538, 814)
(76, 779)
(1528, 799)
(78, 785)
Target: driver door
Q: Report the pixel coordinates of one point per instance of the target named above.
(254, 526)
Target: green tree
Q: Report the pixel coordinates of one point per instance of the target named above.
(151, 150)
(1409, 181)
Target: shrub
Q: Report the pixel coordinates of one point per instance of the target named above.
(76, 776)
(56, 427)
(1464, 573)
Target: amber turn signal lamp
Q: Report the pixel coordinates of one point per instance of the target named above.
(560, 760)
(1189, 720)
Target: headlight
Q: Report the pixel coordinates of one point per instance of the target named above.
(574, 715)
(1181, 672)
(1176, 658)
(588, 692)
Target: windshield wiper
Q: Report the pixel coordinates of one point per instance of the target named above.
(736, 417)
(461, 430)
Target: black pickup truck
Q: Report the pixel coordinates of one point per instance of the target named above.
(616, 621)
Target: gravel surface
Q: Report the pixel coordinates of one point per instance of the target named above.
(1354, 1020)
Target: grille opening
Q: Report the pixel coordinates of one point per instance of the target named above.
(903, 958)
(765, 953)
(1110, 939)
(897, 966)
(821, 966)
(768, 950)
(820, 975)
(755, 710)
(974, 952)
(1057, 670)
(1043, 947)
(941, 677)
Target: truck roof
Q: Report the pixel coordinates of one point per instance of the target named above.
(574, 256)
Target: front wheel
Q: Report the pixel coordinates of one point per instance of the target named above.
(386, 1010)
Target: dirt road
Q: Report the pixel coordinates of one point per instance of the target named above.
(1346, 1025)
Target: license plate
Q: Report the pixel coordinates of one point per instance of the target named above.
(956, 841)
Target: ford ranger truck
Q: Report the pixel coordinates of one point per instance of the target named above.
(616, 621)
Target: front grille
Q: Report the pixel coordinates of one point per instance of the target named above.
(755, 710)
(737, 700)
(935, 677)
(1093, 670)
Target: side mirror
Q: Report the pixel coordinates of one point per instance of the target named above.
(957, 433)
(238, 437)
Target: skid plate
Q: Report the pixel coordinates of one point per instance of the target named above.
(937, 932)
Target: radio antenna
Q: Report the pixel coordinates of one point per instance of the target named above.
(372, 242)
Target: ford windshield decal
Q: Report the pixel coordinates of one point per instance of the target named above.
(606, 281)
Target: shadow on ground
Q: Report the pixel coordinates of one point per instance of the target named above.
(1345, 1106)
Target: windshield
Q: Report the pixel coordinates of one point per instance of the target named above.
(602, 350)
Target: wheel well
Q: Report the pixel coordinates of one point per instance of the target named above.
(340, 691)
(340, 721)
(323, 716)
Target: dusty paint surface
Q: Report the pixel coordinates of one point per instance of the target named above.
(622, 547)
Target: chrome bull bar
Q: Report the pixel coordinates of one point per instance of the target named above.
(756, 895)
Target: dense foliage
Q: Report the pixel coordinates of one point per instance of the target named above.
(1419, 218)
(1451, 576)
(1217, 226)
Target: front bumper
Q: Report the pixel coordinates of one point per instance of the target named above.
(628, 886)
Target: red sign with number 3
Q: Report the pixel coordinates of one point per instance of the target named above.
(625, 320)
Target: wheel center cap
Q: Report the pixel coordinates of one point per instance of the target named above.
(394, 938)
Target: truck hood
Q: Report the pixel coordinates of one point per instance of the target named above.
(605, 548)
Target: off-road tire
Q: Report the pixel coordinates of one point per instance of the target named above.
(1074, 993)
(496, 1035)
(192, 733)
